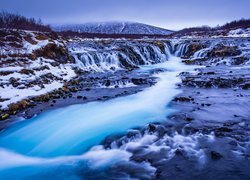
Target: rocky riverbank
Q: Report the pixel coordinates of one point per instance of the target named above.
(208, 137)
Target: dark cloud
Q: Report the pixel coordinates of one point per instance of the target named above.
(172, 14)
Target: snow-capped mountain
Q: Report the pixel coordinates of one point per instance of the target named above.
(114, 28)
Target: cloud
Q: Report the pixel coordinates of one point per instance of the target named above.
(165, 13)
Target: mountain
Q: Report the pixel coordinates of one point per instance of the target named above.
(114, 28)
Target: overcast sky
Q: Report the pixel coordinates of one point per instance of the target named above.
(170, 14)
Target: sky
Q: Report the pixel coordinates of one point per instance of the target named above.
(170, 14)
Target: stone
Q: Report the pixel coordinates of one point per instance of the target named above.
(215, 155)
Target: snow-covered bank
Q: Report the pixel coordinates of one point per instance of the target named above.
(32, 64)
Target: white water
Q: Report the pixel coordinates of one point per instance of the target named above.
(101, 58)
(61, 137)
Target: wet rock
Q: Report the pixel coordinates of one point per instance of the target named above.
(179, 152)
(107, 83)
(74, 89)
(183, 99)
(138, 81)
(215, 155)
(151, 127)
(246, 86)
(189, 119)
(223, 51)
(224, 129)
(79, 97)
(192, 48)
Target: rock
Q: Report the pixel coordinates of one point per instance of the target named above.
(138, 81)
(215, 155)
(13, 82)
(179, 152)
(183, 99)
(26, 71)
(246, 86)
(74, 89)
(189, 119)
(53, 51)
(224, 129)
(151, 127)
(79, 97)
(14, 107)
(223, 51)
(107, 83)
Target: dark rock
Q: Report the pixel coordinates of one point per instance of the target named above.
(183, 99)
(215, 155)
(79, 97)
(189, 119)
(14, 82)
(224, 129)
(179, 152)
(151, 127)
(107, 83)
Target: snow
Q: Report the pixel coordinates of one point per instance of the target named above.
(239, 33)
(28, 85)
(15, 94)
(114, 28)
(31, 47)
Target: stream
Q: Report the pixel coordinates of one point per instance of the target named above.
(67, 138)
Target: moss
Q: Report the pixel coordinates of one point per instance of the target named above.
(192, 48)
(15, 107)
(5, 116)
(53, 51)
(224, 51)
(41, 37)
(187, 61)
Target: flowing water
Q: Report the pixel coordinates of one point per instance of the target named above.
(58, 142)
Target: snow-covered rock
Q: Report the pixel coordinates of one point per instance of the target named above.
(239, 33)
(31, 64)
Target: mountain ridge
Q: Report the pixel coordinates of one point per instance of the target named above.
(113, 27)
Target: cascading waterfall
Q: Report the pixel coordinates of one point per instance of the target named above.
(180, 49)
(117, 56)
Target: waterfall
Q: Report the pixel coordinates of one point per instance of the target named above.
(101, 57)
(180, 49)
(201, 53)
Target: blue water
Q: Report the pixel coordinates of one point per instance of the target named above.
(73, 130)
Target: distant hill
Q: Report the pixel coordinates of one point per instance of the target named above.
(240, 28)
(114, 28)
